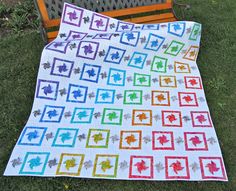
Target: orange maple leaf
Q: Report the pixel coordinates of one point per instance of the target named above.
(167, 80)
(161, 97)
(142, 116)
(181, 67)
(130, 139)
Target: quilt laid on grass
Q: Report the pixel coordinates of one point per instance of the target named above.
(119, 101)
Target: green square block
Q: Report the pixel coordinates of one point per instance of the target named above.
(195, 32)
(98, 138)
(159, 64)
(112, 116)
(133, 97)
(142, 80)
(174, 48)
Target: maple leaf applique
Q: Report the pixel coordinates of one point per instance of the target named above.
(52, 162)
(159, 167)
(88, 164)
(187, 98)
(141, 166)
(97, 137)
(176, 166)
(70, 163)
(123, 165)
(17, 161)
(130, 139)
(32, 135)
(105, 165)
(160, 97)
(142, 116)
(195, 140)
(201, 118)
(163, 139)
(171, 117)
(167, 80)
(212, 167)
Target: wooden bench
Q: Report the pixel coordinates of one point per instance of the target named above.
(135, 11)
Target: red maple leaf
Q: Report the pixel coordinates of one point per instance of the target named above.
(162, 139)
(171, 117)
(141, 166)
(201, 118)
(195, 140)
(187, 98)
(212, 167)
(176, 166)
(193, 82)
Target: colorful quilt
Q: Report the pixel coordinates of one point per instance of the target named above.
(118, 100)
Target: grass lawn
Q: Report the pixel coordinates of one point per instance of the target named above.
(19, 59)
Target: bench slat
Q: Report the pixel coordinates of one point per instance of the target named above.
(137, 10)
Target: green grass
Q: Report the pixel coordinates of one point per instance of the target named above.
(19, 58)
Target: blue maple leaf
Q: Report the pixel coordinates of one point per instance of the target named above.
(176, 26)
(34, 162)
(124, 27)
(32, 135)
(116, 77)
(115, 55)
(47, 89)
(130, 36)
(138, 60)
(65, 136)
(105, 95)
(82, 114)
(77, 93)
(52, 113)
(62, 68)
(91, 72)
(154, 43)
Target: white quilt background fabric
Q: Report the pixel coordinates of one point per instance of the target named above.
(119, 101)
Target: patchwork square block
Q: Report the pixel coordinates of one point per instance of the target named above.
(142, 117)
(52, 114)
(176, 28)
(87, 49)
(112, 116)
(192, 82)
(65, 137)
(187, 99)
(34, 163)
(201, 119)
(105, 96)
(90, 73)
(61, 67)
(159, 64)
(168, 81)
(212, 168)
(192, 53)
(160, 98)
(171, 118)
(137, 60)
(82, 115)
(177, 167)
(60, 47)
(141, 167)
(32, 136)
(99, 22)
(70, 164)
(174, 48)
(105, 166)
(116, 77)
(98, 138)
(74, 35)
(180, 67)
(130, 140)
(195, 141)
(114, 55)
(72, 15)
(77, 93)
(163, 140)
(130, 38)
(195, 33)
(142, 80)
(124, 26)
(47, 89)
(133, 97)
(154, 42)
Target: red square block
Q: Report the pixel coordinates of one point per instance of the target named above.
(195, 141)
(162, 140)
(192, 82)
(187, 99)
(212, 168)
(171, 118)
(177, 167)
(201, 119)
